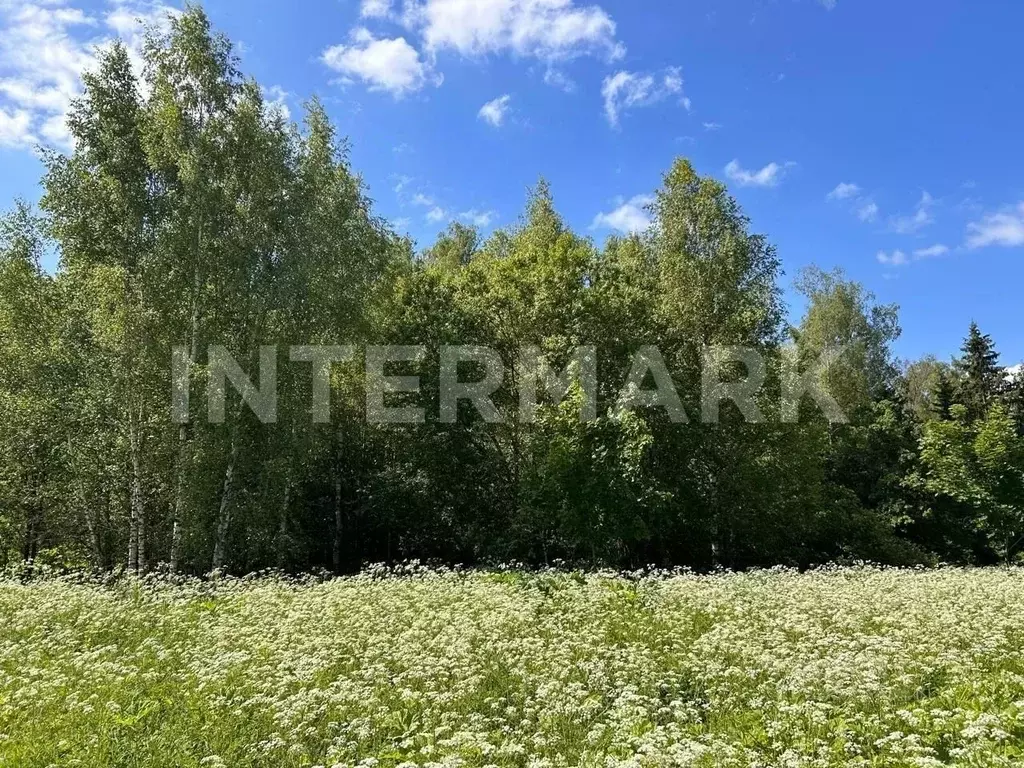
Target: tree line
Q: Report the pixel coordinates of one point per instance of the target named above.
(193, 213)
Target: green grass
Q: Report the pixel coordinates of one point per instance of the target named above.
(856, 667)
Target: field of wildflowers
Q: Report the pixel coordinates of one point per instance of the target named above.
(837, 667)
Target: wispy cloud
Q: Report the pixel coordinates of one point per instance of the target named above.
(843, 191)
(495, 111)
(630, 216)
(401, 183)
(624, 91)
(900, 258)
(895, 259)
(436, 211)
(913, 223)
(45, 46)
(1003, 228)
(556, 78)
(276, 99)
(481, 219)
(711, 126)
(768, 176)
(16, 129)
(375, 9)
(867, 211)
(849, 193)
(931, 252)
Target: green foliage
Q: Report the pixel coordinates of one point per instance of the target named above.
(980, 467)
(192, 214)
(928, 389)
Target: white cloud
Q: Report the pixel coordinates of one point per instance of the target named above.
(828, 4)
(915, 222)
(631, 216)
(895, 259)
(712, 126)
(556, 78)
(1005, 228)
(899, 258)
(626, 90)
(932, 251)
(130, 18)
(1014, 372)
(46, 99)
(42, 57)
(387, 65)
(769, 176)
(436, 214)
(551, 30)
(844, 191)
(375, 9)
(55, 130)
(863, 206)
(401, 182)
(16, 129)
(45, 46)
(276, 99)
(674, 81)
(423, 200)
(481, 219)
(868, 211)
(494, 111)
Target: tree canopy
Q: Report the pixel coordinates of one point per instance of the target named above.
(197, 228)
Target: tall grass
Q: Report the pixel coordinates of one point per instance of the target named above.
(839, 667)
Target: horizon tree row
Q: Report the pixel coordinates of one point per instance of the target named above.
(191, 213)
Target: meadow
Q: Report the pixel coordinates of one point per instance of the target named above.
(837, 667)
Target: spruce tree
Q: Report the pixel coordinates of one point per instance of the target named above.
(1015, 398)
(981, 377)
(944, 397)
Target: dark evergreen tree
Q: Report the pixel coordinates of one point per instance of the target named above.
(982, 379)
(944, 397)
(1015, 398)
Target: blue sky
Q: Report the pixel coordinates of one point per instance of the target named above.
(882, 137)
